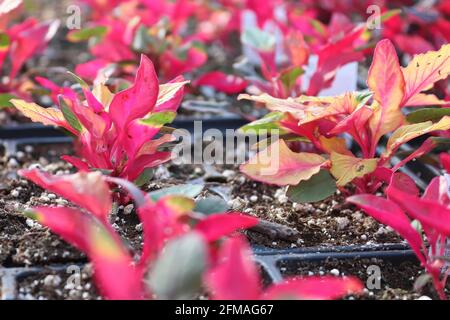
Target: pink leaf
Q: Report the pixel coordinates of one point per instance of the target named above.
(445, 160)
(89, 70)
(28, 42)
(389, 213)
(77, 163)
(138, 100)
(104, 248)
(402, 181)
(388, 85)
(438, 191)
(428, 212)
(222, 82)
(87, 190)
(236, 277)
(315, 288)
(217, 226)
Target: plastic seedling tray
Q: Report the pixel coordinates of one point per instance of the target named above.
(270, 260)
(30, 130)
(271, 264)
(9, 278)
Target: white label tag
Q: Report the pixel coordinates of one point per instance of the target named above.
(346, 79)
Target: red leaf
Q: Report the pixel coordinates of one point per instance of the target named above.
(104, 248)
(87, 190)
(77, 163)
(428, 212)
(389, 213)
(90, 69)
(222, 82)
(28, 42)
(217, 226)
(138, 100)
(402, 181)
(174, 66)
(315, 288)
(236, 277)
(388, 85)
(438, 191)
(445, 160)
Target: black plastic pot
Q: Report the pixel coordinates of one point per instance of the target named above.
(272, 264)
(9, 278)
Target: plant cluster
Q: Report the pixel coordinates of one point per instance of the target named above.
(184, 253)
(344, 132)
(18, 43)
(117, 111)
(115, 133)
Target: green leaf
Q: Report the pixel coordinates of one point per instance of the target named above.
(422, 281)
(417, 226)
(259, 39)
(290, 76)
(427, 114)
(363, 97)
(87, 33)
(141, 40)
(5, 42)
(145, 177)
(80, 81)
(70, 117)
(4, 100)
(389, 14)
(178, 272)
(211, 205)
(318, 188)
(318, 26)
(186, 190)
(268, 122)
(158, 119)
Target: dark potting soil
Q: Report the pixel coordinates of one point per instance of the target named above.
(329, 223)
(397, 278)
(26, 243)
(70, 283)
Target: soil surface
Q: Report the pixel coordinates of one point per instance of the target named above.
(396, 283)
(397, 278)
(25, 243)
(70, 283)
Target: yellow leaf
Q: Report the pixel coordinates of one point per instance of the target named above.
(388, 85)
(424, 70)
(177, 204)
(103, 95)
(47, 116)
(334, 144)
(347, 168)
(307, 109)
(167, 91)
(280, 166)
(409, 132)
(103, 246)
(276, 104)
(383, 122)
